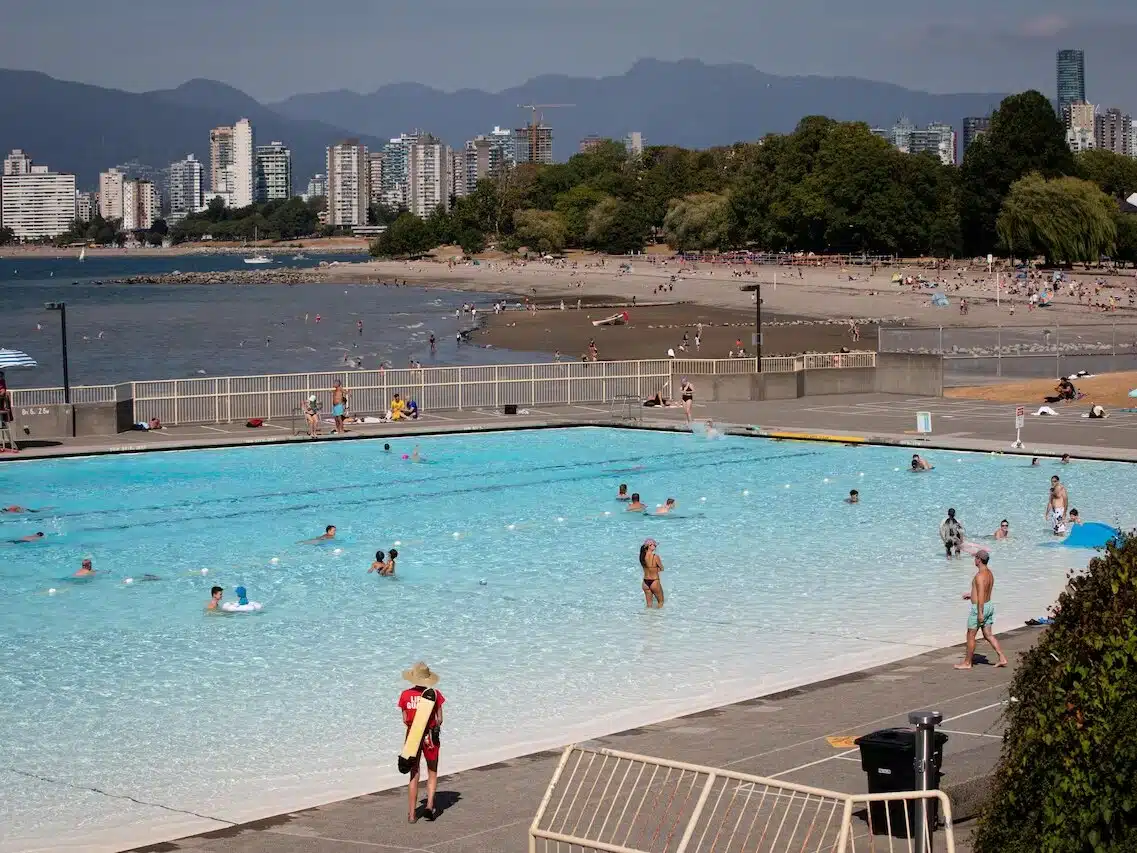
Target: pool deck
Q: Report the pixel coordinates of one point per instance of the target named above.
(489, 809)
(873, 418)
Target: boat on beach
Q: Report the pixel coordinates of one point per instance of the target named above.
(615, 320)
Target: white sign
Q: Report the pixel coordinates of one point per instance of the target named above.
(1020, 417)
(755, 338)
(923, 422)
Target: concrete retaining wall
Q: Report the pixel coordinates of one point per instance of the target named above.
(904, 373)
(895, 373)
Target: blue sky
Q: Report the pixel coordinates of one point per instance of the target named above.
(274, 48)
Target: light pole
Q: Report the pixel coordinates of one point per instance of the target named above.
(61, 307)
(756, 289)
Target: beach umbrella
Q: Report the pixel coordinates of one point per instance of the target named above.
(10, 358)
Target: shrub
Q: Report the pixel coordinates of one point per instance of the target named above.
(1067, 778)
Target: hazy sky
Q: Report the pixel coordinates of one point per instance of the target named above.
(274, 48)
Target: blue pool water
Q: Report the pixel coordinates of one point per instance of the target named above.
(771, 581)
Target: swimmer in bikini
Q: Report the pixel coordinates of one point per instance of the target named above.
(636, 505)
(667, 507)
(329, 533)
(622, 493)
(652, 566)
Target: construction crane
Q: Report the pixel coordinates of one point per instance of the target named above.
(533, 124)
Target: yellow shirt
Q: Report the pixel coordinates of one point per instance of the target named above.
(397, 407)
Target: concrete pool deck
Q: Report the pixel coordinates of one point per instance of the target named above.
(872, 418)
(784, 735)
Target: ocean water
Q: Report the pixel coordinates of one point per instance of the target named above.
(127, 715)
(119, 333)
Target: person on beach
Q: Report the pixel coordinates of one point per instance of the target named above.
(981, 617)
(329, 533)
(359, 325)
(312, 415)
(421, 677)
(951, 533)
(1056, 506)
(339, 402)
(652, 566)
(635, 504)
(688, 396)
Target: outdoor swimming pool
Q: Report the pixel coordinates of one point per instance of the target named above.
(512, 582)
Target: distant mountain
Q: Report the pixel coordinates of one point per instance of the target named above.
(686, 103)
(73, 127)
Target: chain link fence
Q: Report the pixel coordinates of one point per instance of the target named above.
(990, 353)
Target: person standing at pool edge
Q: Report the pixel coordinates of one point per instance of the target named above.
(339, 403)
(421, 677)
(687, 393)
(982, 614)
(652, 566)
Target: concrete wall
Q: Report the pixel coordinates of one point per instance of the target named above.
(849, 380)
(103, 418)
(41, 422)
(904, 373)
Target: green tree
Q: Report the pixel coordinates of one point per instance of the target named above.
(406, 236)
(617, 227)
(472, 241)
(1025, 136)
(1064, 219)
(1114, 173)
(1126, 249)
(574, 206)
(294, 218)
(541, 230)
(1065, 780)
(697, 222)
(440, 226)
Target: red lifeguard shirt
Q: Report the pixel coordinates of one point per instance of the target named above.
(408, 702)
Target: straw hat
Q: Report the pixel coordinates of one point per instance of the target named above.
(420, 675)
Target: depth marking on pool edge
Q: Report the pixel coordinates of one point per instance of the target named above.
(128, 797)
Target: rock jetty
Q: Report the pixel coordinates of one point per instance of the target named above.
(279, 276)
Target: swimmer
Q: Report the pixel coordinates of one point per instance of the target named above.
(389, 571)
(1034, 462)
(1056, 505)
(668, 505)
(386, 448)
(635, 505)
(622, 492)
(16, 509)
(1004, 530)
(414, 455)
(1065, 459)
(35, 537)
(951, 532)
(379, 564)
(854, 497)
(214, 605)
(1073, 517)
(329, 533)
(652, 566)
(919, 463)
(711, 431)
(86, 570)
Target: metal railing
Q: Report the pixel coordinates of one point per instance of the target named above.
(619, 802)
(229, 399)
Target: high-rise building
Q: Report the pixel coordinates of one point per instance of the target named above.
(86, 206)
(130, 205)
(1071, 78)
(35, 202)
(244, 164)
(396, 171)
(486, 157)
(347, 191)
(1133, 139)
(1081, 139)
(458, 185)
(187, 187)
(111, 184)
(1113, 131)
(589, 143)
(317, 186)
(533, 144)
(939, 139)
(375, 177)
(1079, 114)
(634, 143)
(220, 159)
(149, 204)
(428, 169)
(973, 128)
(274, 172)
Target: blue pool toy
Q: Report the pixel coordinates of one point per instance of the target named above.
(1092, 534)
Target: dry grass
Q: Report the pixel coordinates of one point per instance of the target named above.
(1109, 389)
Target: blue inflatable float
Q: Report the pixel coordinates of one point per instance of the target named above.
(1092, 534)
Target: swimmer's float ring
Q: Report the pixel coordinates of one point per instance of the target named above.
(230, 607)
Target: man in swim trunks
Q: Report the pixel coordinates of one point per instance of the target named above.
(339, 405)
(636, 505)
(329, 533)
(667, 507)
(85, 569)
(1056, 506)
(421, 677)
(951, 533)
(215, 599)
(35, 537)
(1004, 530)
(982, 614)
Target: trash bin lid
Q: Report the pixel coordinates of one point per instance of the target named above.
(899, 738)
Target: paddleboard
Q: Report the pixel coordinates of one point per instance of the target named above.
(417, 731)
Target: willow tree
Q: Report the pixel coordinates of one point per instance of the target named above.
(698, 221)
(1064, 219)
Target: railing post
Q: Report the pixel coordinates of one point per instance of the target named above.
(941, 340)
(1057, 351)
(496, 387)
(1113, 347)
(999, 350)
(925, 723)
(697, 813)
(460, 369)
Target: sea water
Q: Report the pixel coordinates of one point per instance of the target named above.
(127, 715)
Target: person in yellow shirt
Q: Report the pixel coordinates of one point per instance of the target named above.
(398, 408)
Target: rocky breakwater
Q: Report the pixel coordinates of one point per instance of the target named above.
(278, 276)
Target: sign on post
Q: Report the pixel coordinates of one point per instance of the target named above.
(923, 422)
(755, 338)
(1020, 419)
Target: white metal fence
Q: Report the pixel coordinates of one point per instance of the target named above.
(619, 802)
(228, 399)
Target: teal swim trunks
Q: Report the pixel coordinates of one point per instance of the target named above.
(988, 616)
(338, 410)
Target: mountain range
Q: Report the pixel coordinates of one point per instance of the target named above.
(85, 129)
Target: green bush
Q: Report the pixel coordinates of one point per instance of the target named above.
(1067, 778)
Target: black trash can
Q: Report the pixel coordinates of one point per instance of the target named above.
(888, 757)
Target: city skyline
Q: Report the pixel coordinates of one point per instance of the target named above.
(1003, 49)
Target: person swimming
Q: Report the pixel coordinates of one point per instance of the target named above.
(214, 603)
(329, 533)
(35, 537)
(854, 497)
(86, 570)
(666, 508)
(622, 493)
(389, 570)
(1004, 530)
(635, 505)
(386, 448)
(379, 564)
(919, 463)
(17, 509)
(951, 533)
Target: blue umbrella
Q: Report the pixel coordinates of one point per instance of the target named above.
(15, 358)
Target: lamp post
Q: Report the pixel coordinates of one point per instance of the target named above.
(61, 307)
(756, 289)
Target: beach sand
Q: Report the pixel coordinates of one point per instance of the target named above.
(1110, 390)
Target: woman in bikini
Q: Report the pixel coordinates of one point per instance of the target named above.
(652, 566)
(688, 395)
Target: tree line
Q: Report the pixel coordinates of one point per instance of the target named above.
(827, 187)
